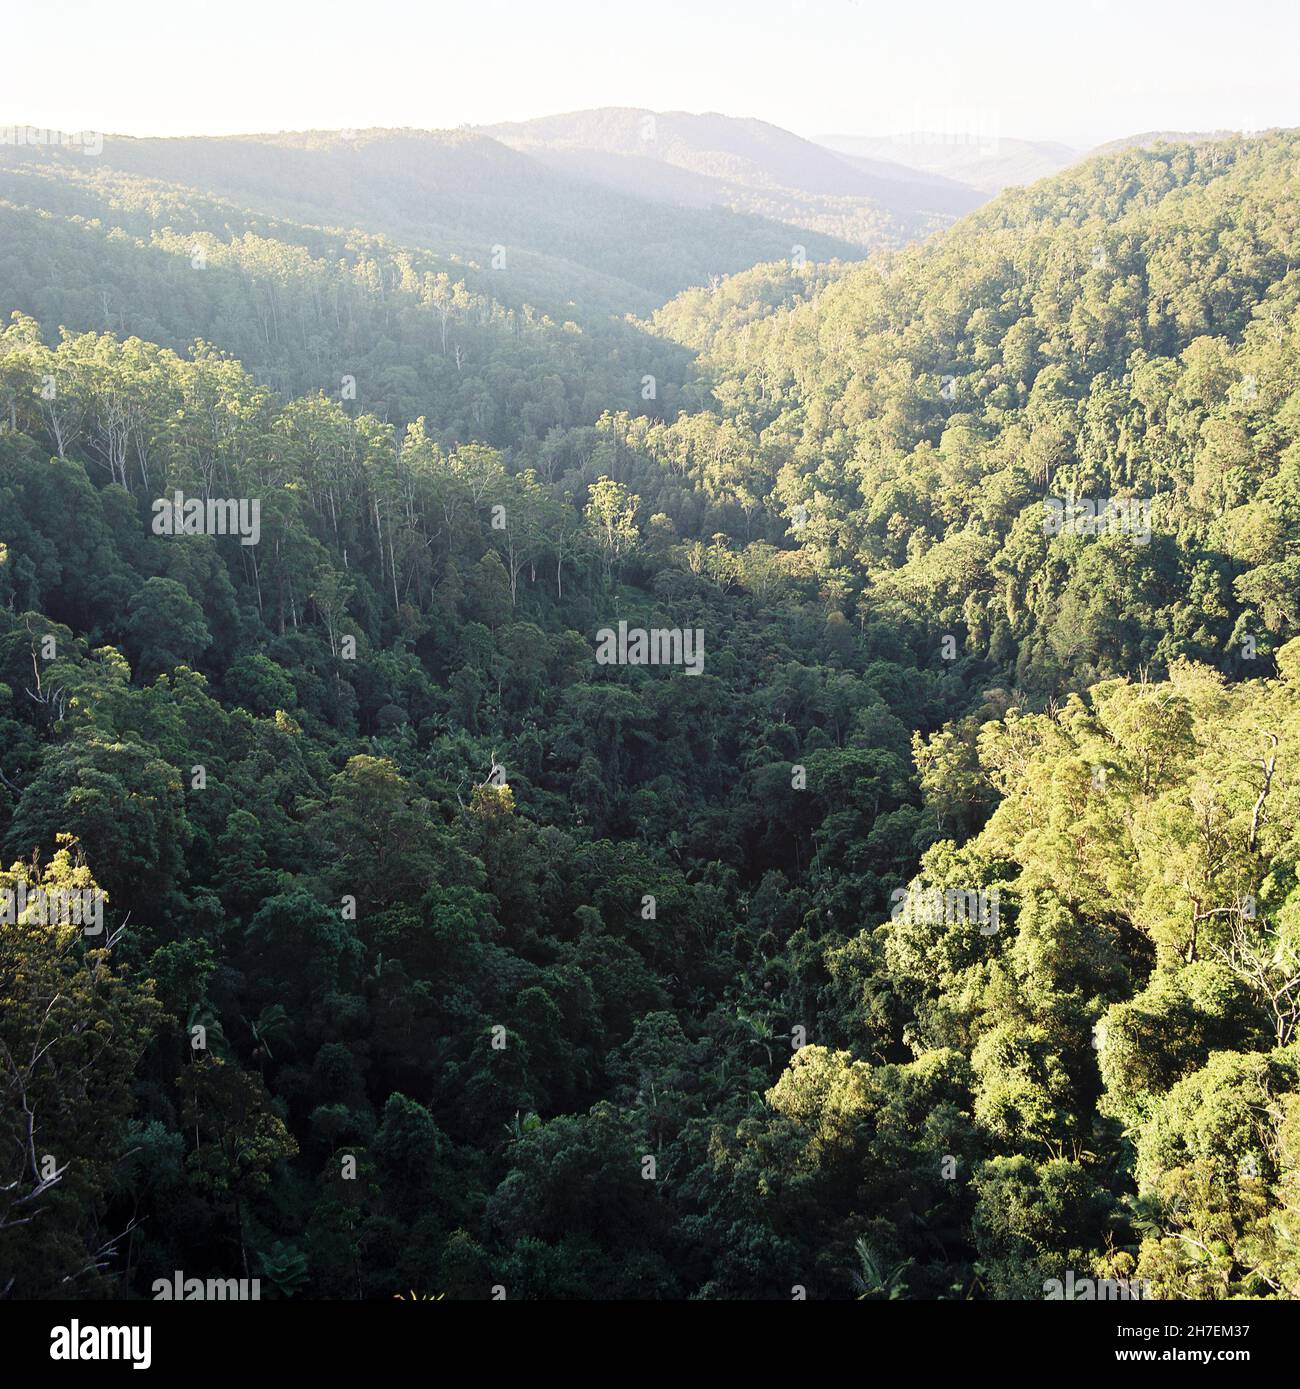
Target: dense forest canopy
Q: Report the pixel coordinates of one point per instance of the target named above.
(940, 939)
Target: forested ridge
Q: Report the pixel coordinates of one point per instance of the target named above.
(440, 955)
(746, 166)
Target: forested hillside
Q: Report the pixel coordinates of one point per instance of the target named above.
(567, 242)
(939, 938)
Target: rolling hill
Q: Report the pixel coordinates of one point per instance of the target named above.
(988, 164)
(562, 239)
(746, 165)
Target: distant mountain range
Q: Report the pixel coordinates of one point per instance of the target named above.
(747, 166)
(870, 191)
(611, 211)
(538, 233)
(985, 164)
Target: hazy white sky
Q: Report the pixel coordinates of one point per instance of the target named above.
(1081, 71)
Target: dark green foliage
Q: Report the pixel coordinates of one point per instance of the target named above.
(440, 956)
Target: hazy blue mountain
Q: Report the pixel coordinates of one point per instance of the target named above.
(988, 163)
(746, 165)
(458, 194)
